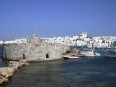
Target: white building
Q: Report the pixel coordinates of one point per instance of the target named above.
(83, 39)
(1, 42)
(83, 35)
(24, 40)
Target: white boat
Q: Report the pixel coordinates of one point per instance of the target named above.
(112, 50)
(113, 47)
(70, 57)
(89, 53)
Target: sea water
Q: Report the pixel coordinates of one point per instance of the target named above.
(1, 55)
(83, 72)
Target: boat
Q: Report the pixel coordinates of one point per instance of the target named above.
(113, 47)
(70, 57)
(89, 53)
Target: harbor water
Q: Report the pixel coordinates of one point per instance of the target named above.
(1, 55)
(83, 72)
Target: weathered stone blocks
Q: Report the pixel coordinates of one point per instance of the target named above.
(35, 50)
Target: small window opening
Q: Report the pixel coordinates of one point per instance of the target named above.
(47, 55)
(24, 56)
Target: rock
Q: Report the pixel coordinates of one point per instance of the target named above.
(6, 71)
(3, 79)
(15, 65)
(23, 62)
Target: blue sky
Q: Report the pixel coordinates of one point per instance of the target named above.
(49, 18)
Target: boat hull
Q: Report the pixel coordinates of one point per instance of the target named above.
(87, 53)
(112, 51)
(70, 58)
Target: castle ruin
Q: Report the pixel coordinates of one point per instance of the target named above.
(35, 49)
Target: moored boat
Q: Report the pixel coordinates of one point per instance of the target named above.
(113, 47)
(89, 53)
(70, 57)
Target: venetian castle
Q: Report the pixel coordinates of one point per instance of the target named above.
(34, 49)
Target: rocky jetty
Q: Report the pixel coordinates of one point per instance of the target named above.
(35, 49)
(6, 72)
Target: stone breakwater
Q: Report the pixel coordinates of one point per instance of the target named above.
(35, 49)
(6, 72)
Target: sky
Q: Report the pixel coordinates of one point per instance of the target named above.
(50, 18)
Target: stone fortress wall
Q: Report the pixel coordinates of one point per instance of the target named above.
(35, 49)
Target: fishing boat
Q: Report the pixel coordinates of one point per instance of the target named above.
(113, 47)
(89, 53)
(70, 57)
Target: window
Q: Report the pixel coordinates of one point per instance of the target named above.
(47, 55)
(23, 56)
